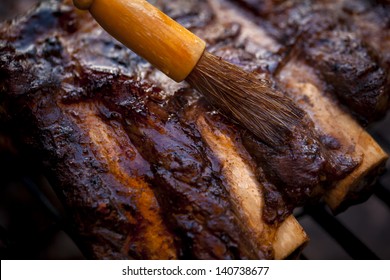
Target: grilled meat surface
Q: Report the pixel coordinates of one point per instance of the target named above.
(347, 42)
(125, 148)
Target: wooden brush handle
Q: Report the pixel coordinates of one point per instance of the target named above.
(149, 32)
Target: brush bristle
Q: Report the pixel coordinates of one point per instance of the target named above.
(267, 113)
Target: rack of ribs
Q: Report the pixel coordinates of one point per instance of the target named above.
(147, 169)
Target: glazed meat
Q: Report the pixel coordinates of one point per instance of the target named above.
(341, 47)
(125, 154)
(148, 169)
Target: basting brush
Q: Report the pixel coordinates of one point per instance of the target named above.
(181, 55)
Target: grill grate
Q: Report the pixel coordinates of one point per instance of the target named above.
(383, 194)
(336, 240)
(342, 235)
(361, 232)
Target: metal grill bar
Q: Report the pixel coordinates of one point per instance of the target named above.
(383, 194)
(345, 238)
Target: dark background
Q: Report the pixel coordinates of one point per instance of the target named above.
(33, 224)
